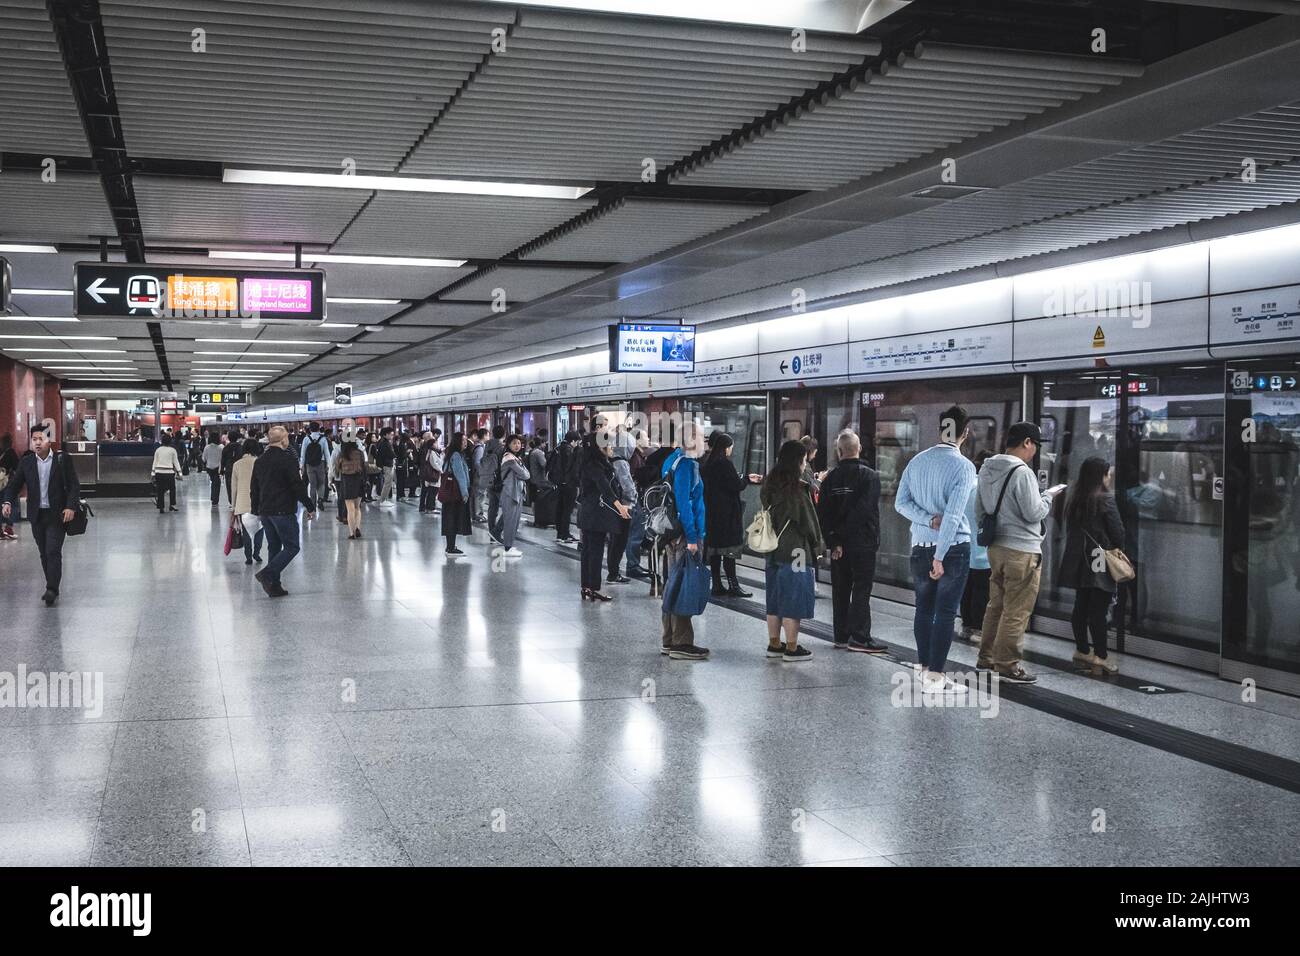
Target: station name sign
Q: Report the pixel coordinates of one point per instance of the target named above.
(128, 290)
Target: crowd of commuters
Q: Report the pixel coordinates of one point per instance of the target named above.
(976, 528)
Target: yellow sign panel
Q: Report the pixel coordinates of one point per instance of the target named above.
(1099, 339)
(203, 293)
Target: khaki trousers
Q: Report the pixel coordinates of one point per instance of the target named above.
(1013, 590)
(678, 631)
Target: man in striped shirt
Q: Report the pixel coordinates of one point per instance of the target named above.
(932, 495)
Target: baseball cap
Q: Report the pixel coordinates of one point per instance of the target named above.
(1018, 432)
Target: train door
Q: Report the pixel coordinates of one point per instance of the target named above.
(1162, 431)
(1261, 485)
(898, 420)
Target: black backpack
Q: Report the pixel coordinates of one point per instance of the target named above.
(498, 480)
(315, 455)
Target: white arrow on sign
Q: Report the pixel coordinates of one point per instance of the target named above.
(95, 288)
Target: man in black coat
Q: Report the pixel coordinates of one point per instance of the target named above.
(233, 451)
(277, 489)
(849, 511)
(53, 496)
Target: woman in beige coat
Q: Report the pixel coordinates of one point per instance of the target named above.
(241, 486)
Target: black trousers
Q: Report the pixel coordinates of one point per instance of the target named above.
(215, 475)
(1089, 619)
(593, 551)
(617, 545)
(230, 495)
(48, 533)
(165, 484)
(717, 564)
(975, 598)
(852, 578)
(564, 510)
(428, 497)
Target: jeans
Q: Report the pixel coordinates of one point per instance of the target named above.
(281, 543)
(593, 551)
(937, 601)
(635, 535)
(49, 535)
(317, 483)
(852, 578)
(975, 599)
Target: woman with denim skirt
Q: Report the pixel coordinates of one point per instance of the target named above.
(790, 577)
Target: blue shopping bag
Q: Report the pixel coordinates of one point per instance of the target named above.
(687, 591)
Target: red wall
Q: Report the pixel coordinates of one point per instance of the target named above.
(26, 395)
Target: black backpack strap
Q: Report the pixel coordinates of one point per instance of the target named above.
(1006, 482)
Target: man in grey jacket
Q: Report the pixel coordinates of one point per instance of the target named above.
(1016, 551)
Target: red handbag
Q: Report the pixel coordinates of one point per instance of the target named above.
(233, 539)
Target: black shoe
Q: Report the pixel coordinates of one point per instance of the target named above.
(718, 591)
(263, 580)
(867, 646)
(800, 653)
(637, 572)
(278, 591)
(173, 508)
(257, 558)
(737, 591)
(455, 551)
(1017, 675)
(49, 597)
(775, 651)
(688, 652)
(248, 560)
(601, 596)
(617, 579)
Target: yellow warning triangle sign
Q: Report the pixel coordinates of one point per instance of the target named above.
(1099, 339)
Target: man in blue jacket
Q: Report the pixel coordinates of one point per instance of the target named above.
(681, 468)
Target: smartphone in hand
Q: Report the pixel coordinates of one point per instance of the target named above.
(1055, 490)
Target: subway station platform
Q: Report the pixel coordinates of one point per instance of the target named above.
(400, 708)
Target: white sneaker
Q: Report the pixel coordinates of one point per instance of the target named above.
(942, 684)
(513, 553)
(498, 550)
(386, 504)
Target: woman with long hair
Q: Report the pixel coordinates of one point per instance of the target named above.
(241, 484)
(790, 577)
(600, 511)
(724, 512)
(1093, 526)
(454, 494)
(350, 473)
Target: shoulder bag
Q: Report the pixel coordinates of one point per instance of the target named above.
(1118, 564)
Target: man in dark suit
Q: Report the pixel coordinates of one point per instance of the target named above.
(53, 495)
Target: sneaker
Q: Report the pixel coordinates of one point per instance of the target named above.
(775, 651)
(617, 579)
(387, 504)
(1106, 664)
(800, 653)
(1017, 675)
(983, 666)
(942, 684)
(665, 649)
(688, 652)
(637, 572)
(513, 553)
(1087, 659)
(867, 646)
(840, 646)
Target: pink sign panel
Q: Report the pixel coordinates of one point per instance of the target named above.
(277, 295)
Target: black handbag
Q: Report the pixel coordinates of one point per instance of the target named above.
(80, 519)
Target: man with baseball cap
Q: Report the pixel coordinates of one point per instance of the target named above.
(1008, 490)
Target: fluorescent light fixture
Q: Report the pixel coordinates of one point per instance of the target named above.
(374, 328)
(39, 318)
(66, 338)
(91, 361)
(416, 184)
(220, 364)
(334, 301)
(337, 325)
(268, 342)
(79, 351)
(329, 257)
(267, 354)
(66, 292)
(19, 247)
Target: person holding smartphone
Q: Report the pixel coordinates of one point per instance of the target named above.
(1008, 489)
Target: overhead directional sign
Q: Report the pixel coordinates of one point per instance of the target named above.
(342, 394)
(126, 290)
(6, 284)
(218, 398)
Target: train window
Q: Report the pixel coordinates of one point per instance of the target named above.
(983, 436)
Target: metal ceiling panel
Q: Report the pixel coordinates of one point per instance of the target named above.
(443, 314)
(519, 283)
(591, 98)
(71, 208)
(39, 113)
(280, 84)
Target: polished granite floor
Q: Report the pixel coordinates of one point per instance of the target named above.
(400, 708)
